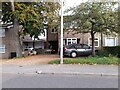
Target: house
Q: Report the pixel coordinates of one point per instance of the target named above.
(46, 41)
(2, 42)
(8, 45)
(71, 36)
(37, 43)
(9, 48)
(52, 39)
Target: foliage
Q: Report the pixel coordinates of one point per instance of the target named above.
(89, 60)
(106, 51)
(102, 53)
(31, 15)
(102, 14)
(52, 13)
(91, 17)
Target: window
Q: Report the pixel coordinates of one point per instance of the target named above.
(78, 46)
(68, 41)
(2, 48)
(85, 46)
(64, 41)
(2, 32)
(110, 41)
(70, 46)
(74, 41)
(54, 30)
(96, 42)
(71, 41)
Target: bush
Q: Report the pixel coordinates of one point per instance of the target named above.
(106, 51)
(102, 52)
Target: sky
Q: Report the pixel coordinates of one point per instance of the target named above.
(71, 3)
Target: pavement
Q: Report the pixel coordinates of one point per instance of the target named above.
(72, 69)
(38, 65)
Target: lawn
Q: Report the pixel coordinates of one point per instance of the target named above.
(89, 60)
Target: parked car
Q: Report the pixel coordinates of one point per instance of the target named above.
(74, 50)
(30, 51)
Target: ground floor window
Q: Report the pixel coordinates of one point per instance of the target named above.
(68, 41)
(96, 42)
(110, 41)
(2, 32)
(2, 48)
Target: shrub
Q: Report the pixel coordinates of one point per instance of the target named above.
(106, 51)
(102, 52)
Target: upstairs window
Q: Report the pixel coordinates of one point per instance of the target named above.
(54, 30)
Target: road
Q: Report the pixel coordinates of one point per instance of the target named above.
(57, 81)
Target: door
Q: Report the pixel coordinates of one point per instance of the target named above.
(87, 49)
(80, 50)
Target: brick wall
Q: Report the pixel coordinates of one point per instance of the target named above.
(11, 43)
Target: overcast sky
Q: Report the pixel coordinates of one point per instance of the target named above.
(72, 3)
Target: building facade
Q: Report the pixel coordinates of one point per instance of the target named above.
(9, 45)
(85, 38)
(52, 39)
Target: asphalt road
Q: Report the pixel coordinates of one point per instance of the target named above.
(57, 81)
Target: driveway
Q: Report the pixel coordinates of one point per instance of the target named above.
(37, 59)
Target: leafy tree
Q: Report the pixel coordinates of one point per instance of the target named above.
(31, 15)
(90, 17)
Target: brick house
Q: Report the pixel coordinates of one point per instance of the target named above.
(38, 43)
(52, 39)
(48, 41)
(110, 40)
(8, 45)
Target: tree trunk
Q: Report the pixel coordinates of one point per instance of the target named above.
(16, 42)
(93, 43)
(48, 32)
(101, 40)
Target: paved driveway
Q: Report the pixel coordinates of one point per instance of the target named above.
(41, 59)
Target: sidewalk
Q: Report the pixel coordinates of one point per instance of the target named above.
(75, 69)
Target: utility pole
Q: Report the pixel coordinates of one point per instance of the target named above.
(61, 43)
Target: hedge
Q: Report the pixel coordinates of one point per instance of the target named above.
(105, 51)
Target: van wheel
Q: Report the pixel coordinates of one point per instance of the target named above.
(73, 54)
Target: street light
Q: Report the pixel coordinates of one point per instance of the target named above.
(61, 44)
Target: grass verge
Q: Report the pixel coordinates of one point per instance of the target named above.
(89, 60)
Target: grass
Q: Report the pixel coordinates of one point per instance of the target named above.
(89, 60)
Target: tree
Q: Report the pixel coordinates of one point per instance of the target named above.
(31, 15)
(93, 17)
(7, 18)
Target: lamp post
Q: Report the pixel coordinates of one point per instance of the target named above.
(61, 44)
